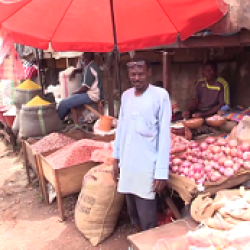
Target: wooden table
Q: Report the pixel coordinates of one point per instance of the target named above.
(147, 239)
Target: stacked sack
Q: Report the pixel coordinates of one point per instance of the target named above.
(99, 205)
(38, 118)
(23, 94)
(68, 86)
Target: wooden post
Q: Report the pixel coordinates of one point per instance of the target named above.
(112, 80)
(164, 70)
(167, 71)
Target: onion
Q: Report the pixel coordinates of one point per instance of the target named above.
(240, 161)
(210, 156)
(210, 140)
(221, 161)
(186, 164)
(234, 152)
(246, 156)
(228, 172)
(183, 175)
(197, 167)
(189, 158)
(233, 143)
(203, 146)
(245, 146)
(215, 149)
(177, 161)
(216, 166)
(216, 157)
(200, 161)
(208, 168)
(221, 142)
(222, 170)
(239, 153)
(175, 169)
(246, 164)
(185, 171)
(227, 150)
(215, 176)
(191, 174)
(236, 167)
(199, 154)
(184, 156)
(194, 160)
(193, 145)
(197, 176)
(228, 164)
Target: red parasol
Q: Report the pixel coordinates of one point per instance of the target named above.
(97, 25)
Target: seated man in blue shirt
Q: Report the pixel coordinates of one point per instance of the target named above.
(90, 90)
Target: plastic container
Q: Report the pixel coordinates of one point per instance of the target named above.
(10, 116)
(105, 123)
(2, 111)
(193, 123)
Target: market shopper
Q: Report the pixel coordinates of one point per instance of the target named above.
(90, 90)
(212, 94)
(142, 145)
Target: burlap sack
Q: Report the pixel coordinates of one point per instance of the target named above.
(22, 96)
(68, 86)
(213, 212)
(39, 121)
(99, 205)
(241, 132)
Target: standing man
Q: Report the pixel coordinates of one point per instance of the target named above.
(142, 145)
(89, 92)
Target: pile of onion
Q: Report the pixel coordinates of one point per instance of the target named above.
(211, 160)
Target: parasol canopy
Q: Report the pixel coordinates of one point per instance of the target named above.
(99, 25)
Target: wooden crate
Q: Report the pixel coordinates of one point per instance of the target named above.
(188, 191)
(66, 181)
(29, 157)
(30, 154)
(147, 239)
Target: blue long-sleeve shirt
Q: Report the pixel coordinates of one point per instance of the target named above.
(143, 141)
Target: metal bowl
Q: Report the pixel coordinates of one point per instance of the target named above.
(216, 123)
(193, 123)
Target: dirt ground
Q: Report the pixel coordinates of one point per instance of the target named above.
(26, 223)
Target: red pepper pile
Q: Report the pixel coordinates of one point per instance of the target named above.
(75, 153)
(51, 142)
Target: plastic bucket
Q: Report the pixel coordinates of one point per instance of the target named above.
(105, 123)
(3, 110)
(9, 120)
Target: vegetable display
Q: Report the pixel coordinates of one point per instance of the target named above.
(51, 142)
(211, 160)
(178, 144)
(76, 153)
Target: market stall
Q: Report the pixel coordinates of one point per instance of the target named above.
(209, 165)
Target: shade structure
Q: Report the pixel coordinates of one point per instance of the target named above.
(86, 25)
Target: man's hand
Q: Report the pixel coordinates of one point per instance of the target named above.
(116, 170)
(186, 114)
(197, 115)
(159, 185)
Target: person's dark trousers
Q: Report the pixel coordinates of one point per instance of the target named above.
(142, 212)
(72, 102)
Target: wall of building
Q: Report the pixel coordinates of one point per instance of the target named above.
(186, 70)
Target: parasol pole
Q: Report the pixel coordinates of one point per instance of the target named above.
(39, 70)
(116, 52)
